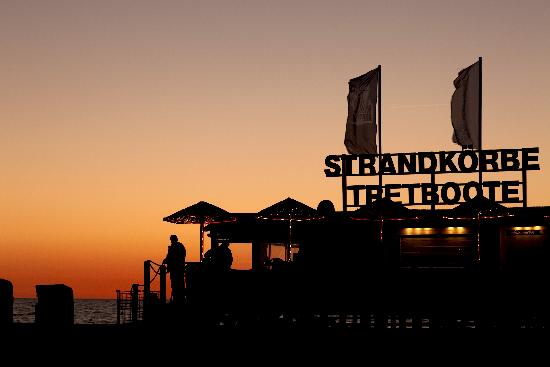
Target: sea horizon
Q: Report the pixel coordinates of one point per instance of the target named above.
(86, 310)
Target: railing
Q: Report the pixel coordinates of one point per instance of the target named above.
(411, 298)
(129, 305)
(134, 305)
(153, 298)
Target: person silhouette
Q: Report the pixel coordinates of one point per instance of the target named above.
(223, 258)
(318, 268)
(316, 251)
(209, 257)
(175, 264)
(218, 261)
(219, 257)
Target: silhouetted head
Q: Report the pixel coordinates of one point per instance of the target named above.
(173, 238)
(326, 208)
(225, 243)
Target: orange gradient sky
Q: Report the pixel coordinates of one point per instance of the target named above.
(115, 114)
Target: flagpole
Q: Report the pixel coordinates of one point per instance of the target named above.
(480, 166)
(344, 185)
(480, 120)
(380, 128)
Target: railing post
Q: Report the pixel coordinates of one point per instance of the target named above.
(135, 302)
(163, 284)
(118, 307)
(146, 286)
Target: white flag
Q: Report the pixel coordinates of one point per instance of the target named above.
(361, 123)
(465, 107)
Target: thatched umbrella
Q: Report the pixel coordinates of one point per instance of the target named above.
(479, 206)
(380, 209)
(383, 208)
(289, 210)
(200, 213)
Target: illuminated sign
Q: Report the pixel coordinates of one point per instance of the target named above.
(434, 163)
(518, 231)
(524, 232)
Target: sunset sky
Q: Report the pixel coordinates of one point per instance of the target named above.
(115, 114)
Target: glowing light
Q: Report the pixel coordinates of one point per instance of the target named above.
(417, 230)
(532, 228)
(456, 230)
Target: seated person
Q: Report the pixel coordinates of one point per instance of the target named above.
(223, 258)
(219, 258)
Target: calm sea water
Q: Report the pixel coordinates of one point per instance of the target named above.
(86, 311)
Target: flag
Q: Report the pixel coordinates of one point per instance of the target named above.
(361, 123)
(465, 115)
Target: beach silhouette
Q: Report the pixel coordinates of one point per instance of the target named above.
(198, 182)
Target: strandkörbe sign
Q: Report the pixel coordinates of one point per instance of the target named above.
(434, 163)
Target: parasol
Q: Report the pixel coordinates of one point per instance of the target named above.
(480, 207)
(383, 208)
(200, 213)
(289, 210)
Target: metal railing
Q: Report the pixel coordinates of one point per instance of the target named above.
(133, 305)
(129, 305)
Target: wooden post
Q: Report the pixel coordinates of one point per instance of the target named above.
(163, 284)
(135, 302)
(146, 286)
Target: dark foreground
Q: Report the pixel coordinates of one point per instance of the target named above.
(125, 343)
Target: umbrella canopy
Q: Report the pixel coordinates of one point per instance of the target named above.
(380, 209)
(478, 205)
(383, 208)
(291, 210)
(200, 213)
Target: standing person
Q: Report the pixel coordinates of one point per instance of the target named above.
(175, 264)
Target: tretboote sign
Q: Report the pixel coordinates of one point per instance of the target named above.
(434, 163)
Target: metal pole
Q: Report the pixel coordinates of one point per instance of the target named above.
(344, 185)
(480, 119)
(524, 185)
(380, 126)
(432, 206)
(202, 241)
(478, 248)
(288, 251)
